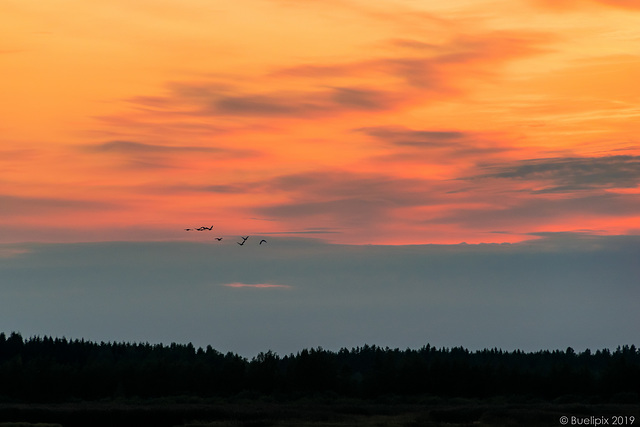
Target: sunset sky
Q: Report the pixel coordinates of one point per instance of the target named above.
(323, 127)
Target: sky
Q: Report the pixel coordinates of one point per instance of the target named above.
(455, 173)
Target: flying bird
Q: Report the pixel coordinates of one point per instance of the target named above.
(262, 241)
(244, 239)
(241, 243)
(218, 238)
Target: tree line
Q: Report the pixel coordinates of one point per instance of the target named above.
(59, 369)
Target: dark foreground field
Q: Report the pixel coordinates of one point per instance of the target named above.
(315, 413)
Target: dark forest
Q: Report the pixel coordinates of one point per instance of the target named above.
(45, 369)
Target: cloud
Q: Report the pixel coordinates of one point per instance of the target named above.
(263, 105)
(141, 156)
(20, 205)
(518, 213)
(335, 198)
(567, 174)
(334, 186)
(11, 251)
(433, 146)
(401, 136)
(360, 99)
(316, 230)
(131, 147)
(440, 66)
(160, 122)
(341, 185)
(352, 211)
(228, 188)
(377, 83)
(312, 102)
(579, 4)
(468, 58)
(256, 286)
(344, 199)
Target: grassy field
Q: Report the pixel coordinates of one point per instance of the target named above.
(306, 413)
(24, 424)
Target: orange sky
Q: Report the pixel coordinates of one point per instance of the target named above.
(356, 122)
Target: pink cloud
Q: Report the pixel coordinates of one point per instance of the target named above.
(255, 285)
(11, 252)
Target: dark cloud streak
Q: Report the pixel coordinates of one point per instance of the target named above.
(444, 145)
(131, 147)
(567, 174)
(524, 213)
(401, 136)
(263, 105)
(297, 104)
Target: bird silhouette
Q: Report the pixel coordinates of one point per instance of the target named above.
(241, 243)
(218, 238)
(200, 228)
(262, 241)
(244, 239)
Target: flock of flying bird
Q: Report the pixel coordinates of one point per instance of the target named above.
(203, 228)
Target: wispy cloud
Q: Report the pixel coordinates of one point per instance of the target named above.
(334, 185)
(568, 174)
(132, 147)
(332, 200)
(256, 285)
(442, 67)
(578, 4)
(11, 251)
(435, 146)
(264, 105)
(401, 136)
(458, 141)
(144, 156)
(228, 188)
(311, 90)
(357, 202)
(534, 213)
(19, 205)
(319, 230)
(310, 102)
